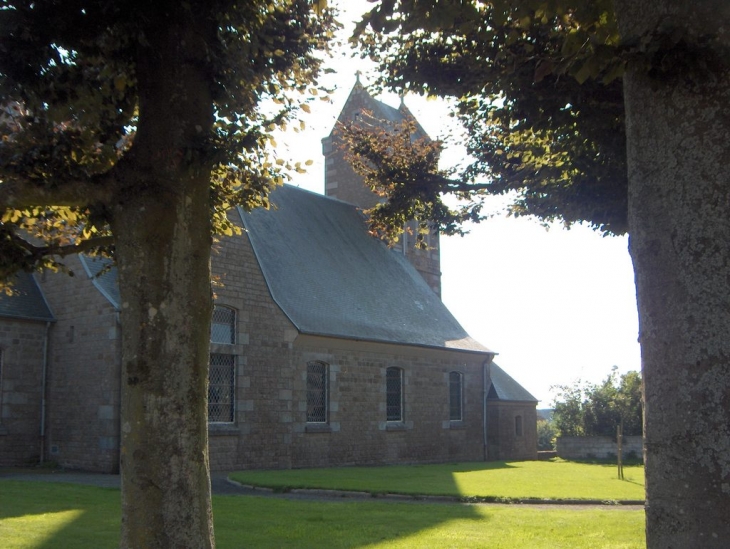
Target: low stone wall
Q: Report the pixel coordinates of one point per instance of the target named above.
(597, 447)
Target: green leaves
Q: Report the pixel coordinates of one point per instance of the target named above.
(78, 86)
(537, 88)
(585, 409)
(399, 164)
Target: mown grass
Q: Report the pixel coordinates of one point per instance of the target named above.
(51, 515)
(36, 515)
(509, 480)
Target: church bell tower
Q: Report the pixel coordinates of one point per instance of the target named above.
(341, 181)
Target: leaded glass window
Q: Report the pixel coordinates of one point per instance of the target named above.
(316, 392)
(221, 388)
(455, 396)
(223, 325)
(394, 394)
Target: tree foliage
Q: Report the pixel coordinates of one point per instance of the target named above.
(131, 129)
(401, 166)
(538, 88)
(546, 433)
(537, 125)
(74, 79)
(596, 410)
(672, 56)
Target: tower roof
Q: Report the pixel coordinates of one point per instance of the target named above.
(360, 100)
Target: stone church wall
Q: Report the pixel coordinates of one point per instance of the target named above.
(261, 433)
(83, 374)
(511, 431)
(359, 433)
(271, 429)
(21, 370)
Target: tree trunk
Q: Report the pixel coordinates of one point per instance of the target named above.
(162, 228)
(163, 260)
(679, 217)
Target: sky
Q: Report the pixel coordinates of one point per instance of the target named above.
(557, 305)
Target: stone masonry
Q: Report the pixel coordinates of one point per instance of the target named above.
(271, 429)
(598, 447)
(21, 370)
(83, 374)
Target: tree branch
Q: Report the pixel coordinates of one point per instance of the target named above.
(23, 193)
(38, 252)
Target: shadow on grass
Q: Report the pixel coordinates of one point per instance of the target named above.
(475, 467)
(40, 515)
(49, 515)
(273, 522)
(433, 479)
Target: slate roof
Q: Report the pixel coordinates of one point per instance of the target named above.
(331, 278)
(27, 301)
(387, 112)
(107, 282)
(382, 111)
(506, 388)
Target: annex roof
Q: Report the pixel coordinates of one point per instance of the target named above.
(27, 301)
(104, 277)
(332, 278)
(506, 388)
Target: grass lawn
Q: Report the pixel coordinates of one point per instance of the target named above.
(520, 479)
(39, 515)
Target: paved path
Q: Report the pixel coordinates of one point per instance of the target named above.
(221, 485)
(219, 481)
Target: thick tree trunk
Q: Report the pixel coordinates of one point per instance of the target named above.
(163, 259)
(679, 218)
(161, 223)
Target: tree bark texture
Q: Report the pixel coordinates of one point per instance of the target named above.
(161, 223)
(678, 144)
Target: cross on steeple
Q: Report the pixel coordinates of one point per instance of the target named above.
(357, 76)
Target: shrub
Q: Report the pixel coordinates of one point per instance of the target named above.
(546, 434)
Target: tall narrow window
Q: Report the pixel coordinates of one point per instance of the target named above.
(456, 380)
(223, 325)
(394, 394)
(518, 426)
(316, 392)
(222, 372)
(221, 388)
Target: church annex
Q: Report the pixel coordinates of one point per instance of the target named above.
(327, 348)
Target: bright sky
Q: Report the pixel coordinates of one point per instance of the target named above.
(557, 305)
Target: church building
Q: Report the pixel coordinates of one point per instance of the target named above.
(327, 348)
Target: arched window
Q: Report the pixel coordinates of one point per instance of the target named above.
(223, 325)
(394, 394)
(456, 390)
(317, 397)
(518, 426)
(222, 367)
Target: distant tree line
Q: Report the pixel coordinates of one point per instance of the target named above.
(586, 409)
